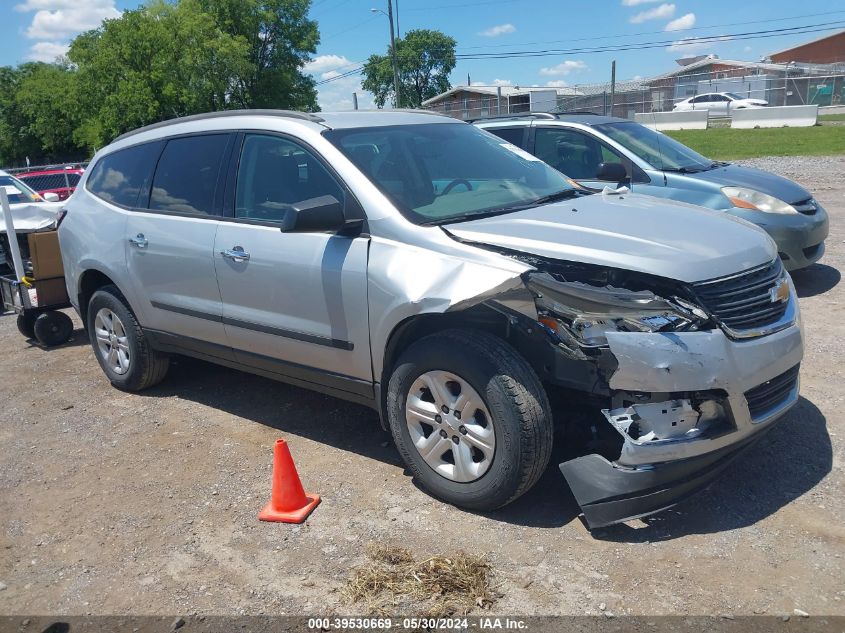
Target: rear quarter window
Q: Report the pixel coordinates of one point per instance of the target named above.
(119, 176)
(513, 135)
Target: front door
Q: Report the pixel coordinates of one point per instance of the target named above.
(293, 303)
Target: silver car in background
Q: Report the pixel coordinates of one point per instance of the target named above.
(598, 151)
(452, 282)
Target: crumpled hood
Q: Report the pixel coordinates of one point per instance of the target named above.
(30, 217)
(772, 184)
(630, 231)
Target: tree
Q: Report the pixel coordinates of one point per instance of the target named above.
(424, 58)
(154, 63)
(280, 40)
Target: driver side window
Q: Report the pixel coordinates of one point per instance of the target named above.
(275, 174)
(575, 154)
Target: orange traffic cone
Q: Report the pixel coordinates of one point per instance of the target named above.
(288, 502)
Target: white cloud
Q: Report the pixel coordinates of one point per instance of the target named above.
(336, 96)
(636, 3)
(564, 68)
(496, 31)
(47, 51)
(502, 82)
(657, 13)
(323, 63)
(60, 19)
(57, 21)
(557, 83)
(682, 23)
(696, 44)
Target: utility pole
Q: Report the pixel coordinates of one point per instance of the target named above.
(397, 101)
(354, 100)
(612, 84)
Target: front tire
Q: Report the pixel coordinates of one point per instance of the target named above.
(470, 418)
(120, 345)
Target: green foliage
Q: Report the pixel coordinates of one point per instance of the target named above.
(279, 38)
(166, 59)
(424, 58)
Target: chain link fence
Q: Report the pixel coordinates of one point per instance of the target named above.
(777, 84)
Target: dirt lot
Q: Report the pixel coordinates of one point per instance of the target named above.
(146, 504)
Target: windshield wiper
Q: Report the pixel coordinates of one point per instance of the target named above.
(686, 170)
(560, 195)
(553, 197)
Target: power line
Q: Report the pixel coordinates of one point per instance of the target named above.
(706, 39)
(626, 35)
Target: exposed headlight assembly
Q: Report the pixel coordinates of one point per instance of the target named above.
(745, 198)
(584, 314)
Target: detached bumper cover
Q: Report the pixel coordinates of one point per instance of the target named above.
(608, 494)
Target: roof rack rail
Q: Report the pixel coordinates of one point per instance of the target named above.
(290, 114)
(514, 116)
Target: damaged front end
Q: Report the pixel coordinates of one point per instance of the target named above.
(675, 385)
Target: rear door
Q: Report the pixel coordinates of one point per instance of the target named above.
(170, 242)
(293, 303)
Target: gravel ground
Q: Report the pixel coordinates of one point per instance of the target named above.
(146, 504)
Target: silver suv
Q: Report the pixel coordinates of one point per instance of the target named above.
(451, 281)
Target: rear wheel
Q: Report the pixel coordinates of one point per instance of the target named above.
(53, 328)
(26, 324)
(470, 418)
(120, 345)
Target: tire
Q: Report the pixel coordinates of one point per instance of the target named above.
(53, 328)
(513, 397)
(125, 341)
(26, 324)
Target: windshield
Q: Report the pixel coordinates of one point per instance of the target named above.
(659, 150)
(437, 173)
(17, 191)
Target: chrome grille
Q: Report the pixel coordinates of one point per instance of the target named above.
(807, 207)
(744, 301)
(771, 393)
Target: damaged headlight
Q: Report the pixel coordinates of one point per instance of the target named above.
(581, 313)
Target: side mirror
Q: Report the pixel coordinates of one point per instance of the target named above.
(51, 197)
(316, 215)
(612, 172)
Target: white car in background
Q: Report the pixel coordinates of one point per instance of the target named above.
(718, 103)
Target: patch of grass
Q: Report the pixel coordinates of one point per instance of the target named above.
(832, 117)
(731, 144)
(394, 582)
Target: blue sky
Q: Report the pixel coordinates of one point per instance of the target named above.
(350, 32)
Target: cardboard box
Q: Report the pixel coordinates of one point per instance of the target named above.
(51, 292)
(45, 255)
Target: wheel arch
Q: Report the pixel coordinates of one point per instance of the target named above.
(90, 281)
(478, 317)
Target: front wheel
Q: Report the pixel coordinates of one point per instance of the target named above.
(470, 418)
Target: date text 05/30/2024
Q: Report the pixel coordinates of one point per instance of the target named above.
(431, 624)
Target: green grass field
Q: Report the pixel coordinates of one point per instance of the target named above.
(729, 144)
(831, 117)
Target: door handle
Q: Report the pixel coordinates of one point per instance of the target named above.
(236, 254)
(139, 240)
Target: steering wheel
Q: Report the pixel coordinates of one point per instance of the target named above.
(457, 181)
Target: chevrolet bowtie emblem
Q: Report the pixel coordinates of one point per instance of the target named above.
(780, 291)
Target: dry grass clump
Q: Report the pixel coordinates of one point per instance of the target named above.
(394, 582)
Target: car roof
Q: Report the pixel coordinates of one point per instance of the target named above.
(584, 118)
(50, 172)
(331, 120)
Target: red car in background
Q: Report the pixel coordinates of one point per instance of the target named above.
(59, 181)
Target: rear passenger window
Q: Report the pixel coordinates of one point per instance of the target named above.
(513, 135)
(187, 174)
(118, 177)
(275, 174)
(72, 180)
